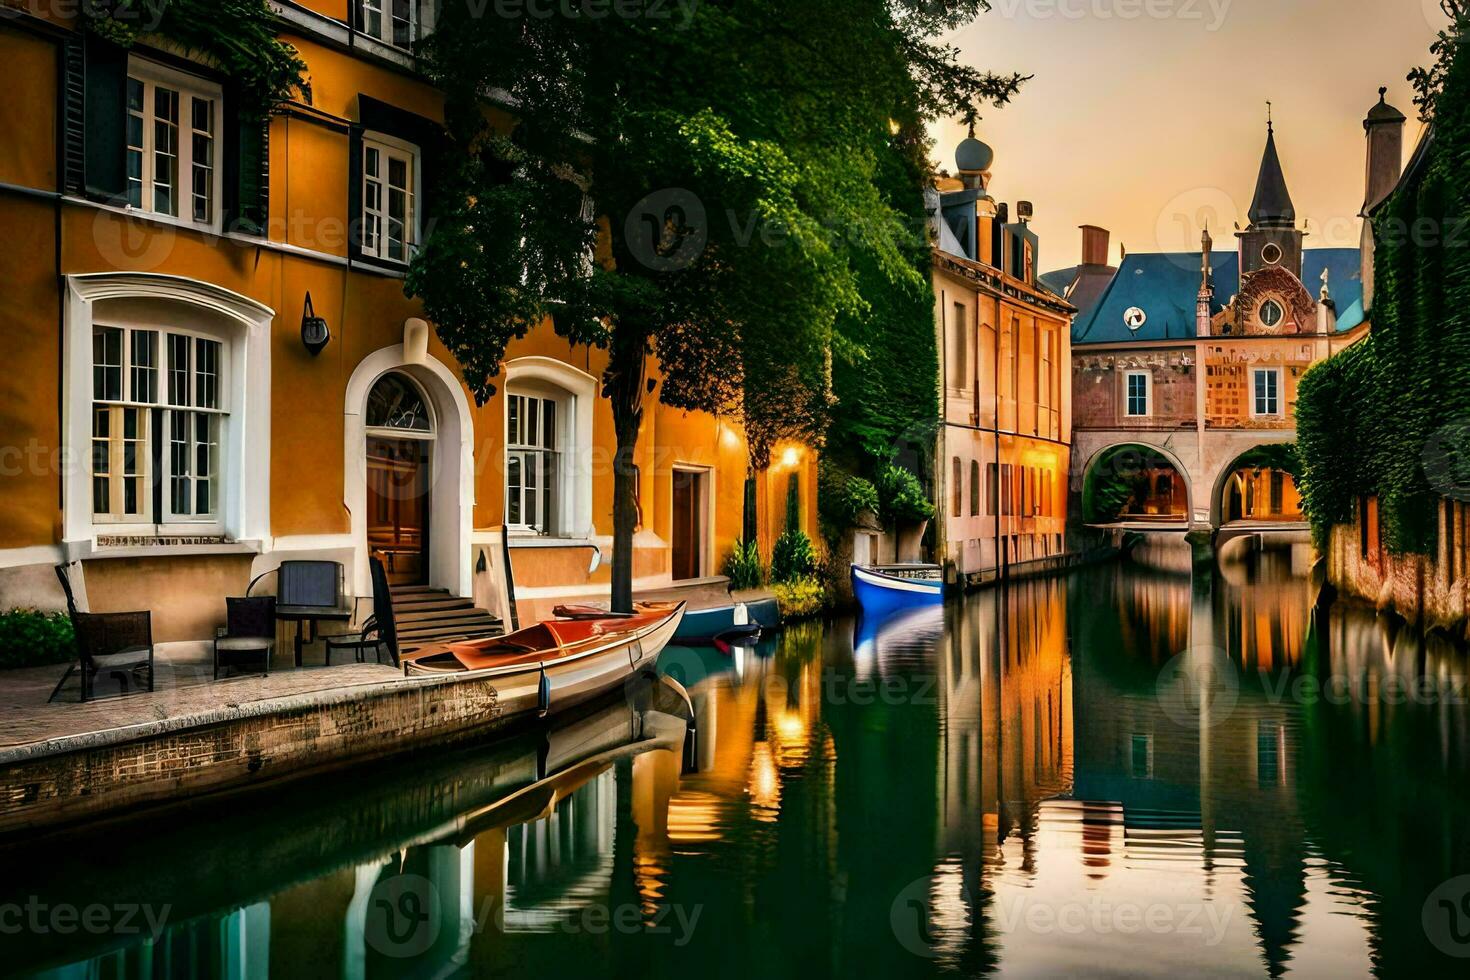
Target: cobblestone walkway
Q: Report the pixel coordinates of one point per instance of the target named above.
(184, 686)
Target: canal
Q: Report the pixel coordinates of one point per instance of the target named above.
(1130, 771)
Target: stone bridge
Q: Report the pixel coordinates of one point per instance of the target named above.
(1205, 464)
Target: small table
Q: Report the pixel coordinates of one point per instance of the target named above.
(301, 615)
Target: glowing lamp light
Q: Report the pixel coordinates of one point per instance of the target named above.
(791, 456)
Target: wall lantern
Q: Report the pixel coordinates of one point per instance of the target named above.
(314, 330)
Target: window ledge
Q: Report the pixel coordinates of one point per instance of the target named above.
(528, 539)
(165, 546)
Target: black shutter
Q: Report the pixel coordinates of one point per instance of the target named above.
(73, 119)
(247, 167)
(105, 119)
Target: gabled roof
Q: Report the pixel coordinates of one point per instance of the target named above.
(1165, 285)
(1272, 204)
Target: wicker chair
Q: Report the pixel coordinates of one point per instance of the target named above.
(249, 634)
(119, 643)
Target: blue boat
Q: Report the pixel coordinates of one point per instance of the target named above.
(880, 588)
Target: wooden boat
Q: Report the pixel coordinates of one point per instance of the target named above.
(882, 588)
(558, 663)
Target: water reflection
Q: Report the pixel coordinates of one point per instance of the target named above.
(1129, 771)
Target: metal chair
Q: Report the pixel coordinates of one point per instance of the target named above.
(249, 633)
(119, 643)
(378, 630)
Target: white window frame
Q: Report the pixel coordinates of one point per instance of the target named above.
(189, 87)
(522, 449)
(389, 148)
(1148, 394)
(575, 392)
(166, 303)
(160, 441)
(1276, 393)
(384, 32)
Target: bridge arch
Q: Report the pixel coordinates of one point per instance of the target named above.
(1135, 481)
(1258, 484)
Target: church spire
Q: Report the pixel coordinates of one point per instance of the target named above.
(1272, 205)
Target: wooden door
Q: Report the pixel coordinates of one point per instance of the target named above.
(398, 507)
(688, 525)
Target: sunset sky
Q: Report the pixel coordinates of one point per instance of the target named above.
(1146, 125)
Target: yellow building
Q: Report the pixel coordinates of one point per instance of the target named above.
(166, 422)
(1004, 448)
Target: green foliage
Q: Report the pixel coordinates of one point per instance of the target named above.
(744, 567)
(841, 497)
(29, 638)
(901, 497)
(1390, 417)
(239, 36)
(793, 557)
(800, 598)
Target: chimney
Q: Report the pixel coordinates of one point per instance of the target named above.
(1094, 245)
(1384, 127)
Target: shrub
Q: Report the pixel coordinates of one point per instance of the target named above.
(743, 566)
(793, 557)
(841, 497)
(800, 598)
(901, 497)
(30, 638)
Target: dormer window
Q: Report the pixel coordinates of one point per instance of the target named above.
(1271, 314)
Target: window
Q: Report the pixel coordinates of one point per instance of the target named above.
(959, 370)
(1271, 313)
(974, 488)
(390, 21)
(389, 210)
(992, 489)
(532, 463)
(1266, 385)
(1137, 384)
(147, 386)
(172, 130)
(958, 489)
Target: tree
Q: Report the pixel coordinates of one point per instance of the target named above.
(697, 188)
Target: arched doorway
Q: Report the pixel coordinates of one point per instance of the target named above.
(399, 430)
(1134, 483)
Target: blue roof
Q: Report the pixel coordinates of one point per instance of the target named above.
(1165, 285)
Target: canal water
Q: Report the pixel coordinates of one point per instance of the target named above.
(1132, 771)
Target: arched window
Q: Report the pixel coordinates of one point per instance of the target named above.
(974, 488)
(958, 490)
(548, 437)
(396, 403)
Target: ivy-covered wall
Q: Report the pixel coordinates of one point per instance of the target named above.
(1389, 417)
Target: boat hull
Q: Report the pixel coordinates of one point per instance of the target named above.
(879, 592)
(543, 688)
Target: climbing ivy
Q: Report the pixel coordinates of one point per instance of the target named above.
(239, 36)
(1390, 417)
